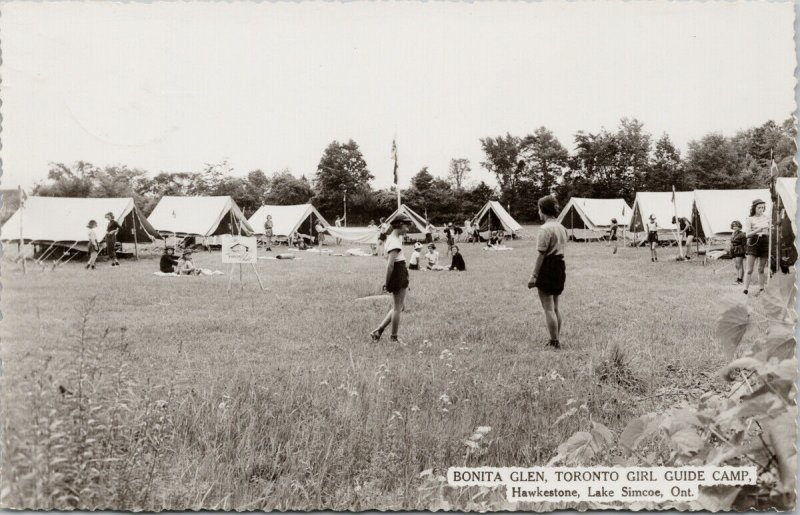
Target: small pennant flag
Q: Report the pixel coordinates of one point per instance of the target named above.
(394, 156)
(673, 194)
(22, 197)
(773, 170)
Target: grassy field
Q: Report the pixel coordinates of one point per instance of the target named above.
(278, 399)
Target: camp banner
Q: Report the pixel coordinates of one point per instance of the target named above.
(238, 249)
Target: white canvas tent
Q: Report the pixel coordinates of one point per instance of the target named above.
(287, 219)
(660, 204)
(198, 216)
(785, 188)
(62, 221)
(493, 216)
(591, 217)
(418, 222)
(714, 210)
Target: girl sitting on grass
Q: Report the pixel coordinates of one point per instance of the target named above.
(737, 249)
(396, 281)
(458, 261)
(549, 272)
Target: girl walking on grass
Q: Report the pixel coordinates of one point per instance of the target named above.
(549, 272)
(396, 281)
(737, 250)
(756, 228)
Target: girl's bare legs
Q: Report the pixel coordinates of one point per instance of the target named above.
(551, 315)
(393, 316)
(751, 260)
(92, 258)
(762, 277)
(739, 264)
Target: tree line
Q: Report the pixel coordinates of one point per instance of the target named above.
(604, 164)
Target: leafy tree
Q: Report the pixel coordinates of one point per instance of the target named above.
(341, 168)
(545, 159)
(68, 181)
(286, 189)
(633, 147)
(459, 170)
(714, 162)
(503, 160)
(666, 168)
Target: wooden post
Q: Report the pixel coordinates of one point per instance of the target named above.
(135, 238)
(21, 238)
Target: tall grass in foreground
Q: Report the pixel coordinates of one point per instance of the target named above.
(277, 400)
(81, 431)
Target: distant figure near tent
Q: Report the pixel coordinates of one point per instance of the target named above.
(111, 238)
(168, 261)
(652, 237)
(612, 234)
(685, 234)
(94, 245)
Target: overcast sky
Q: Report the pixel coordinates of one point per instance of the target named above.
(171, 86)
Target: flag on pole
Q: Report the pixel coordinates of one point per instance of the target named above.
(673, 193)
(773, 170)
(394, 156)
(22, 196)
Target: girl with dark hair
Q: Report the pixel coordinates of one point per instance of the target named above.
(111, 238)
(613, 234)
(685, 233)
(396, 277)
(549, 272)
(756, 229)
(737, 249)
(652, 237)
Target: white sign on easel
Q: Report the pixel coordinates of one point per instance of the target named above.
(241, 250)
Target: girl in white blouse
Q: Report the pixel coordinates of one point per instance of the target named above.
(756, 228)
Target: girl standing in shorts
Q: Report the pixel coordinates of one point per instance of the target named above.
(756, 228)
(549, 272)
(613, 234)
(396, 277)
(94, 245)
(111, 238)
(652, 237)
(737, 250)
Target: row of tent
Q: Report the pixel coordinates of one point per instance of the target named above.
(62, 221)
(710, 211)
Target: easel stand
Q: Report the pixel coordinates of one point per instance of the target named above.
(241, 280)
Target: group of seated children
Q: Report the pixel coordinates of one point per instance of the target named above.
(431, 258)
(170, 264)
(496, 239)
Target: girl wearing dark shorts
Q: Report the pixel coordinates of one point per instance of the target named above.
(111, 238)
(756, 229)
(549, 272)
(396, 277)
(737, 250)
(652, 237)
(613, 234)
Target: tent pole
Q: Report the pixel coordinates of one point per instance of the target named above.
(21, 239)
(778, 234)
(135, 239)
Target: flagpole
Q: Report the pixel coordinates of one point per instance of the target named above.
(772, 169)
(21, 239)
(677, 222)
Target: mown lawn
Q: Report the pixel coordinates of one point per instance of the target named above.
(278, 399)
